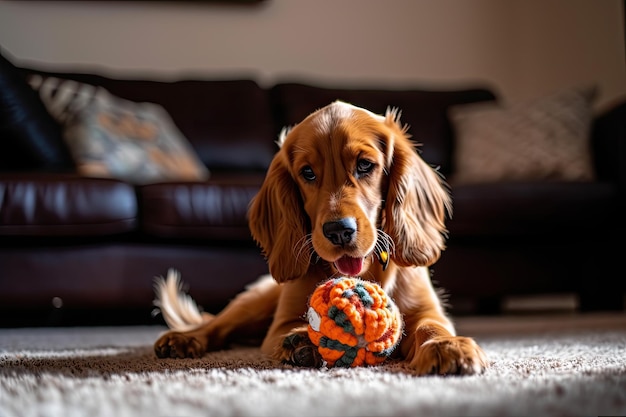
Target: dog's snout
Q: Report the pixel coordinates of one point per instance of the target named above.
(340, 232)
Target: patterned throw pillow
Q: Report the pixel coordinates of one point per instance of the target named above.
(116, 138)
(62, 97)
(545, 139)
(135, 142)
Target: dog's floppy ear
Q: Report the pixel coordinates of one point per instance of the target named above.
(277, 221)
(417, 201)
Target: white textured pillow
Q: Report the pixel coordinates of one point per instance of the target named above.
(544, 139)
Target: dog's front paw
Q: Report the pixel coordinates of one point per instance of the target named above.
(297, 349)
(178, 345)
(453, 355)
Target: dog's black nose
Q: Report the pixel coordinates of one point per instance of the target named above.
(340, 232)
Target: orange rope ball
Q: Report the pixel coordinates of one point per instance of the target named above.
(353, 322)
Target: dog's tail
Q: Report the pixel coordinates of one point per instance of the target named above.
(179, 310)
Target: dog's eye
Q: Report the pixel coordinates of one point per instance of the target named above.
(308, 174)
(364, 167)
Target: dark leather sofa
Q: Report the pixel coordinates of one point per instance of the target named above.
(78, 250)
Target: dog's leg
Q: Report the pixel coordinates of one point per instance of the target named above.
(287, 339)
(255, 305)
(430, 344)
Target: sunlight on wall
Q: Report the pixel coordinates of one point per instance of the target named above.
(523, 48)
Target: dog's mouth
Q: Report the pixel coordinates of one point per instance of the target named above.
(349, 266)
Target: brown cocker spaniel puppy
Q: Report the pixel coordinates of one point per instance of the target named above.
(346, 188)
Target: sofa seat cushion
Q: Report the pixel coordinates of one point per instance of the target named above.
(216, 209)
(65, 205)
(545, 210)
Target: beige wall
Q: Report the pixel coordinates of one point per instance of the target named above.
(523, 48)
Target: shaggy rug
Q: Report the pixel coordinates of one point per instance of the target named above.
(552, 366)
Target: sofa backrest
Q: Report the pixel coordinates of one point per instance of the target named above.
(233, 124)
(425, 111)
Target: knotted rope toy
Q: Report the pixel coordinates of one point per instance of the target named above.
(353, 322)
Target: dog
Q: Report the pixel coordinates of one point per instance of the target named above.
(347, 194)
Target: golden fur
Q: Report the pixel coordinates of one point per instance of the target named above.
(346, 185)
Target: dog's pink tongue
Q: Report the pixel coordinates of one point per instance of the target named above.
(349, 266)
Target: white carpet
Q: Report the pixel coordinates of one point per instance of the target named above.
(554, 366)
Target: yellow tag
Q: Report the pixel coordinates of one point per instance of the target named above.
(383, 256)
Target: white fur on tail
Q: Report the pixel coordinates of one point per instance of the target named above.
(179, 310)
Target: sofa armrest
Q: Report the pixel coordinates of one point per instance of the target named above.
(609, 144)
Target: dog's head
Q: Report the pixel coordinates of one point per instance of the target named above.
(346, 186)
